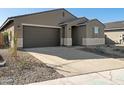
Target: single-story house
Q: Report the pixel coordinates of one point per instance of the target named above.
(53, 28)
(114, 32)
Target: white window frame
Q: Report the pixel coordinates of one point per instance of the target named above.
(96, 29)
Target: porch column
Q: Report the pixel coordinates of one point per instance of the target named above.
(68, 36)
(19, 31)
(61, 37)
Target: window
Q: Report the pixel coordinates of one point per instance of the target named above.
(96, 30)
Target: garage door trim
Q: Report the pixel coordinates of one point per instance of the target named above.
(35, 25)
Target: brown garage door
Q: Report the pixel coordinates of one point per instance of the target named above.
(40, 37)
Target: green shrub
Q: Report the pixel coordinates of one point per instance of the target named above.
(122, 51)
(116, 49)
(6, 39)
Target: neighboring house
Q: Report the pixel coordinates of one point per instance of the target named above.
(114, 32)
(53, 28)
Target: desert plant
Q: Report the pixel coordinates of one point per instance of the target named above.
(6, 39)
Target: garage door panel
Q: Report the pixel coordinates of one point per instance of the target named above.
(41, 37)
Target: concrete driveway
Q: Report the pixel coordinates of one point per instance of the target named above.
(70, 61)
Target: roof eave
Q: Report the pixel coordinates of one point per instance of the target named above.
(114, 29)
(7, 21)
(95, 20)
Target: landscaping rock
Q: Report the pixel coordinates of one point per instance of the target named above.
(26, 70)
(6, 80)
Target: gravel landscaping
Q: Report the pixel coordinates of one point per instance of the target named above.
(26, 70)
(103, 52)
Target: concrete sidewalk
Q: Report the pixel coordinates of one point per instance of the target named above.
(112, 77)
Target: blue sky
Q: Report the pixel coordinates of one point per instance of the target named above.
(102, 14)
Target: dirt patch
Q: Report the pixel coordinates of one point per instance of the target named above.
(26, 70)
(100, 52)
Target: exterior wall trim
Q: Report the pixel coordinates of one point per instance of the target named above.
(93, 41)
(36, 25)
(8, 20)
(20, 42)
(68, 41)
(61, 41)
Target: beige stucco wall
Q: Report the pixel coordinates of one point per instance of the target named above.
(48, 18)
(93, 41)
(68, 36)
(91, 38)
(83, 31)
(69, 28)
(88, 36)
(89, 31)
(53, 18)
(69, 25)
(114, 35)
(10, 29)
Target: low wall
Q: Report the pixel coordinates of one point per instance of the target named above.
(93, 41)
